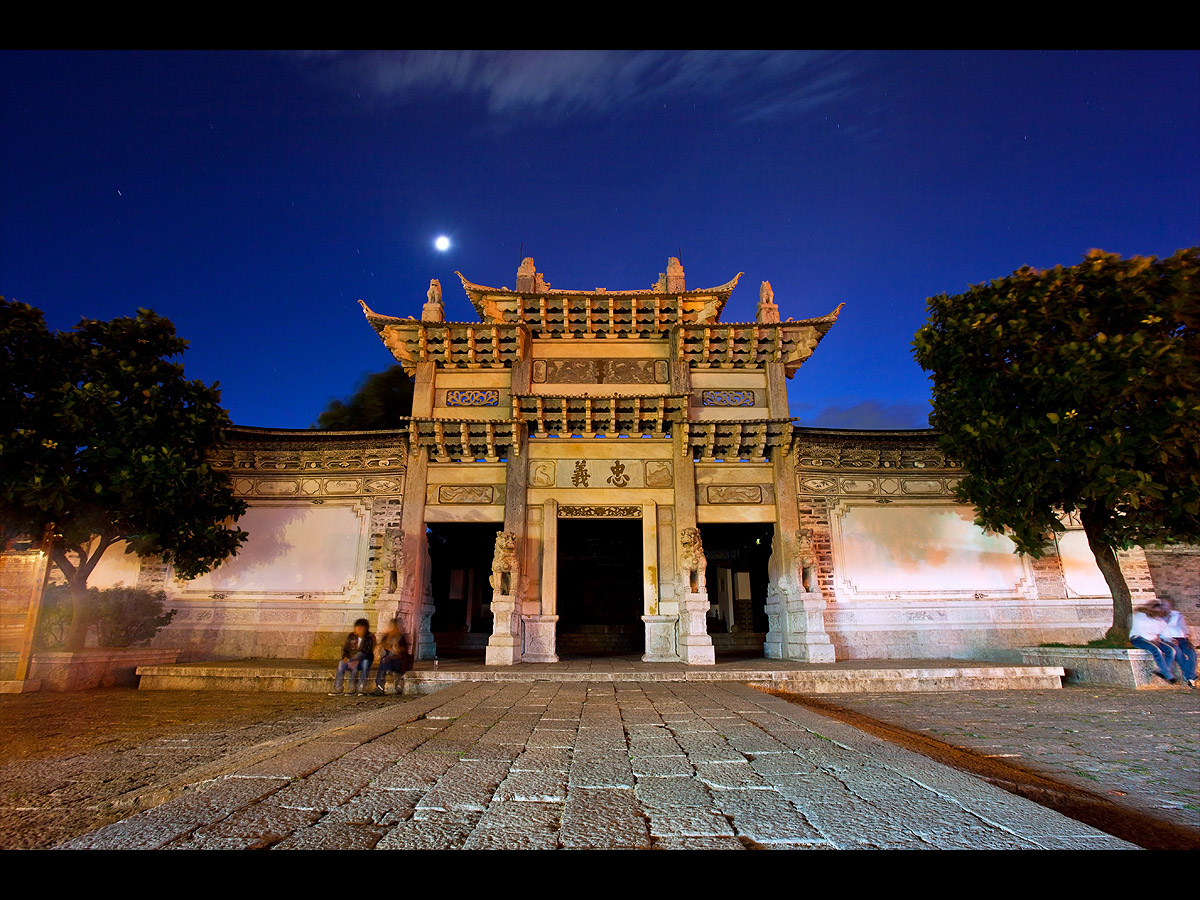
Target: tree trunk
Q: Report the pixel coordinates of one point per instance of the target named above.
(81, 616)
(1094, 519)
(77, 576)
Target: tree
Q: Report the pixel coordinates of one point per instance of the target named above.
(104, 437)
(379, 403)
(1075, 390)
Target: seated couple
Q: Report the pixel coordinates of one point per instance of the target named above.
(358, 653)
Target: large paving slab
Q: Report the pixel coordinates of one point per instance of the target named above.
(542, 765)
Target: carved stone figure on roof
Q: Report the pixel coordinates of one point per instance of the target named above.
(433, 310)
(529, 279)
(767, 310)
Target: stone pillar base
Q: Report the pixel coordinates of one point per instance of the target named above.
(660, 639)
(695, 643)
(504, 645)
(806, 639)
(540, 639)
(426, 646)
(387, 608)
(796, 628)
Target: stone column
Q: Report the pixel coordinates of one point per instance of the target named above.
(695, 643)
(415, 606)
(541, 630)
(660, 629)
(504, 645)
(796, 616)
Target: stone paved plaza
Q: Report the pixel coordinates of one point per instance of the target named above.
(625, 765)
(1139, 749)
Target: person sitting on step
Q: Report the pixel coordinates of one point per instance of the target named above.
(357, 655)
(393, 657)
(1175, 629)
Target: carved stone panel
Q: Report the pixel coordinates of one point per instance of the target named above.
(273, 488)
(600, 512)
(600, 371)
(821, 484)
(727, 398)
(541, 473)
(384, 485)
(734, 493)
(658, 473)
(470, 397)
(600, 473)
(465, 493)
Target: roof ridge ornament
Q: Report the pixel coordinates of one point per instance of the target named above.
(671, 281)
(433, 310)
(529, 279)
(767, 311)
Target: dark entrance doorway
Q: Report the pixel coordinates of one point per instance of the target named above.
(737, 580)
(600, 587)
(461, 556)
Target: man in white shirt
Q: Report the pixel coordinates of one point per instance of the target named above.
(1145, 633)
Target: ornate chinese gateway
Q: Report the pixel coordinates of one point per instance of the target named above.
(618, 471)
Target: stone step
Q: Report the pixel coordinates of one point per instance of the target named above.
(852, 676)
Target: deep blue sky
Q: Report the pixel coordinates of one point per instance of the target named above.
(253, 198)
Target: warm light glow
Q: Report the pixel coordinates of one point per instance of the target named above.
(442, 243)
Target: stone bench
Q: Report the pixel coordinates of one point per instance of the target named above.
(1093, 665)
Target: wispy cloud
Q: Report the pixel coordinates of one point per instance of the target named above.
(870, 414)
(759, 84)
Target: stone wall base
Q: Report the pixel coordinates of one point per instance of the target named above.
(64, 671)
(983, 629)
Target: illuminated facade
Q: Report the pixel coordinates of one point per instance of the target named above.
(618, 471)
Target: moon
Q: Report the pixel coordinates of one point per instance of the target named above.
(442, 243)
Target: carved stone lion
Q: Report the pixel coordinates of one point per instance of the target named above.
(805, 559)
(504, 563)
(393, 559)
(692, 562)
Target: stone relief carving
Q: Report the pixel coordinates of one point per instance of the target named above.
(393, 559)
(383, 485)
(457, 493)
(504, 564)
(247, 458)
(816, 455)
(600, 512)
(541, 474)
(272, 488)
(472, 397)
(600, 371)
(579, 478)
(727, 398)
(820, 485)
(692, 562)
(658, 473)
(734, 493)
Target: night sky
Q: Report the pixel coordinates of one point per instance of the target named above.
(254, 198)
